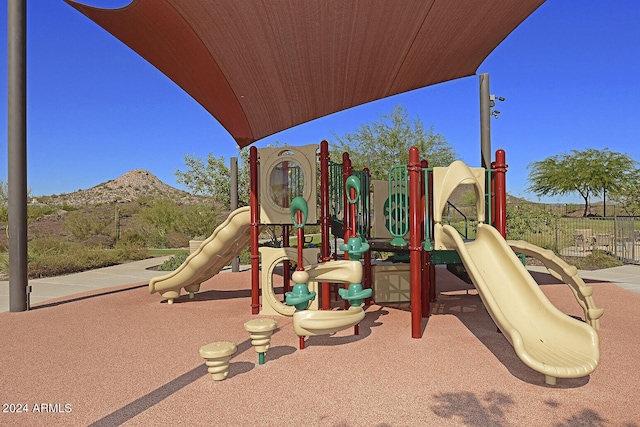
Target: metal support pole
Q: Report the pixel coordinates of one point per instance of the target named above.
(235, 262)
(485, 122)
(500, 170)
(415, 255)
(17, 156)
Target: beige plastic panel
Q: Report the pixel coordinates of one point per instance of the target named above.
(445, 180)
(559, 269)
(343, 271)
(270, 259)
(543, 337)
(272, 212)
(380, 195)
(391, 282)
(324, 322)
(226, 242)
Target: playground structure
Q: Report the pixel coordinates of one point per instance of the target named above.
(407, 218)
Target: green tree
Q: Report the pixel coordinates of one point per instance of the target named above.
(4, 200)
(385, 143)
(628, 195)
(589, 173)
(213, 179)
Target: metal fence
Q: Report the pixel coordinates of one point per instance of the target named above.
(565, 235)
(578, 237)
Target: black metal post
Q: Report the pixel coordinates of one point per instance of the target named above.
(17, 145)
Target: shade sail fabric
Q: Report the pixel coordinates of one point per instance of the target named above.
(262, 66)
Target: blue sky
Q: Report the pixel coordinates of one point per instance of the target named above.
(569, 73)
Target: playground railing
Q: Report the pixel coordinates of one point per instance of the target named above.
(336, 192)
(396, 210)
(363, 206)
(456, 223)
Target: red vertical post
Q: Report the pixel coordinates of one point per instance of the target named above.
(415, 257)
(325, 248)
(255, 230)
(501, 192)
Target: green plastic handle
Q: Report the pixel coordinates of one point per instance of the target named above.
(353, 182)
(299, 204)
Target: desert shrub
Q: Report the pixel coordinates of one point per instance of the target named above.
(176, 239)
(54, 256)
(596, 260)
(245, 255)
(4, 263)
(35, 212)
(132, 238)
(531, 224)
(174, 262)
(131, 252)
(199, 220)
(99, 241)
(82, 225)
(163, 216)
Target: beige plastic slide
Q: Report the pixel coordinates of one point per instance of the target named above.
(325, 322)
(543, 337)
(559, 269)
(226, 242)
(310, 322)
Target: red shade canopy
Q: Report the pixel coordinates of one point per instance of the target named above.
(262, 66)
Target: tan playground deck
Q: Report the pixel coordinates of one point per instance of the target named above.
(121, 356)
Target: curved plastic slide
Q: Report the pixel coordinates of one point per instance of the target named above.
(543, 337)
(559, 269)
(226, 242)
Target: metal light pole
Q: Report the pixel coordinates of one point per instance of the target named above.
(485, 122)
(17, 147)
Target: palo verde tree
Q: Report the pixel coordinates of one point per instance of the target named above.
(385, 143)
(213, 179)
(589, 173)
(628, 195)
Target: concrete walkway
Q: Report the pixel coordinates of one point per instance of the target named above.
(627, 277)
(54, 287)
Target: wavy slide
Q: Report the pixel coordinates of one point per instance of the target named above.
(559, 269)
(226, 242)
(543, 337)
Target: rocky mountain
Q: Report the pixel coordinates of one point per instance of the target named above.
(128, 187)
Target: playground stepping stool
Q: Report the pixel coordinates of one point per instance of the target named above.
(260, 331)
(217, 356)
